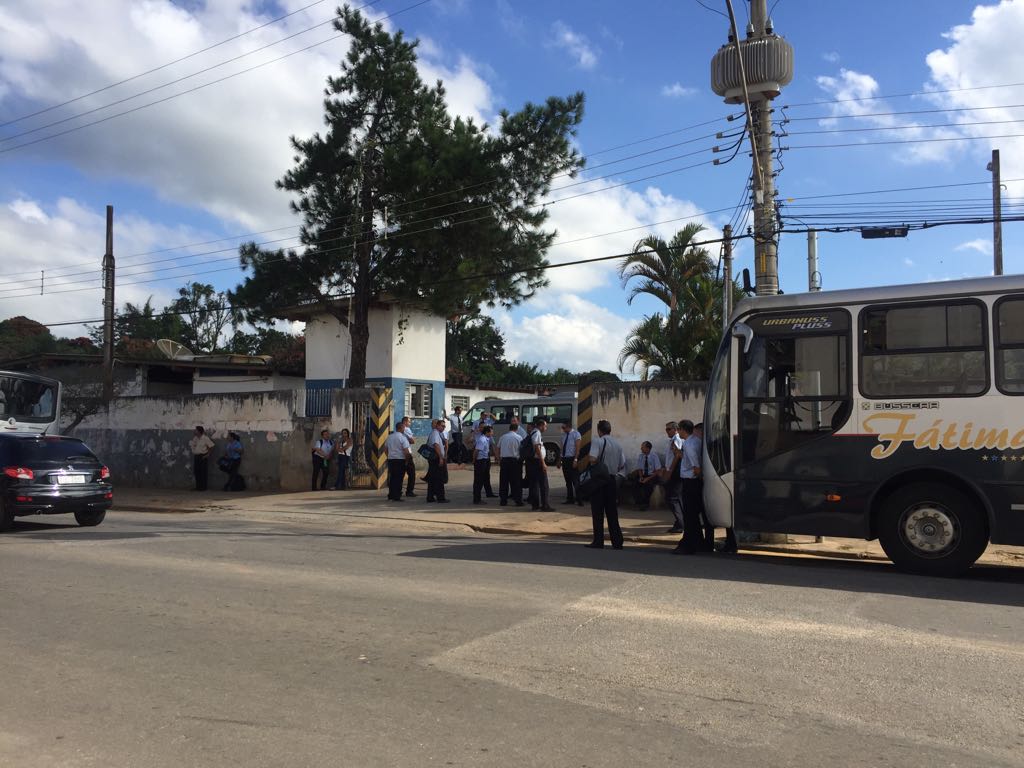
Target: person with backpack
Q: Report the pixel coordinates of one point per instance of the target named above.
(437, 465)
(608, 467)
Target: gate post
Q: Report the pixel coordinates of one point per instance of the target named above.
(585, 418)
(382, 408)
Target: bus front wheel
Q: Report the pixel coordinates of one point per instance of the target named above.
(932, 529)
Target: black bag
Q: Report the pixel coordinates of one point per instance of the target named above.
(594, 476)
(427, 452)
(526, 451)
(224, 464)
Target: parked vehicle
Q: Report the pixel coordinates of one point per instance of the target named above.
(51, 475)
(559, 408)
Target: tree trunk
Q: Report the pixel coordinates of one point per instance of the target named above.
(359, 317)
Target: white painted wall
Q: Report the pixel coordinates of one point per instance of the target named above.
(404, 343)
(213, 385)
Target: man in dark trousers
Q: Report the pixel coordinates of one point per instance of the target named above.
(483, 449)
(690, 493)
(510, 478)
(537, 468)
(604, 501)
(399, 453)
(200, 445)
(570, 464)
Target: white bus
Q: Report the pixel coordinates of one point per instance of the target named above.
(29, 403)
(894, 413)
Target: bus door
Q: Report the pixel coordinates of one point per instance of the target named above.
(719, 421)
(793, 392)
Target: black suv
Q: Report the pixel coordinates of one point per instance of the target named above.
(44, 475)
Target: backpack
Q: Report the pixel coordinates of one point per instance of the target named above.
(526, 448)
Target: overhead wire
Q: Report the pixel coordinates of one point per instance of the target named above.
(194, 88)
(166, 65)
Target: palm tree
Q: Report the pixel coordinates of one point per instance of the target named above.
(681, 343)
(663, 269)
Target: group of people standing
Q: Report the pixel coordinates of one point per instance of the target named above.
(327, 449)
(201, 447)
(678, 470)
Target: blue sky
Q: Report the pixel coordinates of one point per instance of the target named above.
(203, 166)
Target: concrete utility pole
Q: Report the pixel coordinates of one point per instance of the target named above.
(108, 310)
(813, 275)
(752, 73)
(997, 215)
(726, 276)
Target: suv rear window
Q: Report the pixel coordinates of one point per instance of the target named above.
(35, 450)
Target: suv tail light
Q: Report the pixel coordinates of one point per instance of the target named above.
(104, 473)
(19, 473)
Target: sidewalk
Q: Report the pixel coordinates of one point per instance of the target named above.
(568, 520)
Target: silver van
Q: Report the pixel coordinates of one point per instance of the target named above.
(559, 408)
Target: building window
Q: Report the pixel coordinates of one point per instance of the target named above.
(929, 350)
(461, 400)
(419, 400)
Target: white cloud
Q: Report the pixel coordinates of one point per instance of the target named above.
(908, 262)
(832, 57)
(66, 239)
(219, 149)
(980, 245)
(574, 333)
(985, 52)
(677, 90)
(575, 44)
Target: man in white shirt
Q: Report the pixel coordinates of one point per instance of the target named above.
(670, 475)
(483, 449)
(457, 446)
(399, 453)
(437, 470)
(689, 476)
(537, 468)
(410, 469)
(200, 446)
(604, 499)
(510, 478)
(570, 464)
(645, 477)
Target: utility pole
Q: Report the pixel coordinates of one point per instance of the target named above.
(997, 215)
(726, 276)
(813, 275)
(108, 310)
(753, 72)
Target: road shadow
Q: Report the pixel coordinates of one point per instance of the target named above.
(70, 532)
(993, 585)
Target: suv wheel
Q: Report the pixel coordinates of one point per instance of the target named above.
(90, 517)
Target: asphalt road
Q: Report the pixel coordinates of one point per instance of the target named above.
(224, 640)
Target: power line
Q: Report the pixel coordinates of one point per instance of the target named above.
(902, 127)
(168, 64)
(901, 95)
(194, 88)
(899, 113)
(443, 281)
(907, 141)
(409, 202)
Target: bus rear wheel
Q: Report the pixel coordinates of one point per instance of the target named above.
(932, 529)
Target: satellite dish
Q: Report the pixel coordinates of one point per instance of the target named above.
(174, 350)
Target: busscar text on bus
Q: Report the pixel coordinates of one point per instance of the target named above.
(891, 413)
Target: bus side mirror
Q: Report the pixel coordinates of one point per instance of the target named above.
(745, 332)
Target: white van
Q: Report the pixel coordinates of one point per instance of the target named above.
(559, 408)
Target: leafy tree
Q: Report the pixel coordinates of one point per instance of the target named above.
(598, 375)
(661, 269)
(205, 315)
(681, 343)
(134, 324)
(474, 346)
(21, 337)
(400, 199)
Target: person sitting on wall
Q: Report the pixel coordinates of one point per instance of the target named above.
(645, 477)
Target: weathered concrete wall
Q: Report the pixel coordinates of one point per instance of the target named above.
(144, 440)
(638, 411)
